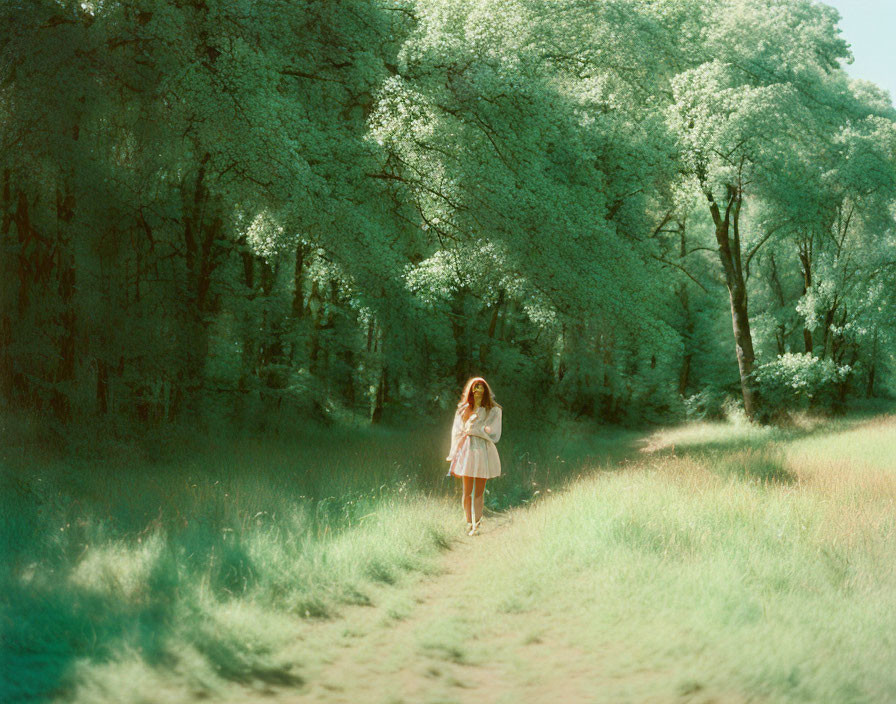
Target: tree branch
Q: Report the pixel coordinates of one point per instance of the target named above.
(682, 269)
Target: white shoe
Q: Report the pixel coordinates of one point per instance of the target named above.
(474, 526)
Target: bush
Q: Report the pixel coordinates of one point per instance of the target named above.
(800, 381)
(708, 404)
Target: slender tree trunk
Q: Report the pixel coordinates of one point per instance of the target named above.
(685, 372)
(248, 264)
(298, 296)
(826, 335)
(102, 387)
(7, 271)
(348, 390)
(248, 354)
(869, 390)
(806, 263)
(25, 238)
(843, 386)
(65, 267)
(7, 377)
(272, 347)
(379, 403)
(382, 390)
(730, 257)
(743, 342)
(781, 330)
(684, 375)
(200, 252)
(561, 363)
(485, 347)
(317, 310)
(838, 344)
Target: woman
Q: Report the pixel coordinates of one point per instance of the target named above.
(474, 457)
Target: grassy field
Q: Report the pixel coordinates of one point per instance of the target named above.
(740, 566)
(206, 561)
(710, 562)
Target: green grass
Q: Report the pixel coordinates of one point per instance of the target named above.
(203, 562)
(767, 571)
(725, 558)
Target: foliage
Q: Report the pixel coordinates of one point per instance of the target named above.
(242, 209)
(796, 381)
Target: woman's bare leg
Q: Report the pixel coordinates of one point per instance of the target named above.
(468, 497)
(479, 485)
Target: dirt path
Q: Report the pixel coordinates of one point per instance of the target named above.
(428, 641)
(424, 643)
(403, 649)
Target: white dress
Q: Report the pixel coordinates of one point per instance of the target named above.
(476, 455)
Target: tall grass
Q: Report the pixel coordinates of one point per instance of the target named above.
(721, 554)
(130, 559)
(765, 572)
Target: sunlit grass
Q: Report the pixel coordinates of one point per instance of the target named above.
(206, 565)
(773, 580)
(721, 556)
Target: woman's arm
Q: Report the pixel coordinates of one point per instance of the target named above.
(493, 424)
(492, 429)
(456, 431)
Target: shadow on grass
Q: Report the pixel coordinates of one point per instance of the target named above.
(47, 626)
(534, 462)
(48, 621)
(766, 467)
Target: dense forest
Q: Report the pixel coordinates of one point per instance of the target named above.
(629, 210)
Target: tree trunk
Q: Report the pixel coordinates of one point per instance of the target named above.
(298, 296)
(485, 347)
(7, 375)
(806, 263)
(316, 306)
(202, 252)
(382, 389)
(248, 264)
(730, 257)
(781, 330)
(379, 402)
(25, 236)
(102, 387)
(843, 386)
(685, 373)
(826, 330)
(348, 390)
(65, 267)
(869, 390)
(272, 346)
(561, 363)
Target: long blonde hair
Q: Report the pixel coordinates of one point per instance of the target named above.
(465, 406)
